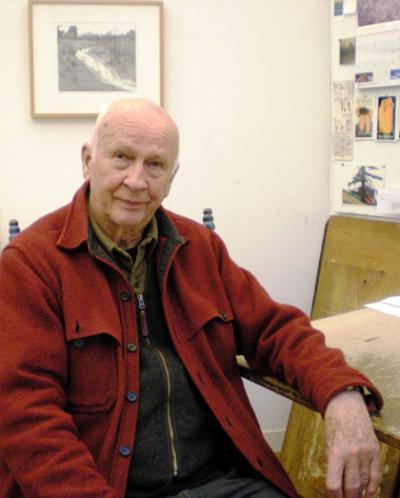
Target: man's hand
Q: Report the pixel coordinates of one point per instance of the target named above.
(353, 450)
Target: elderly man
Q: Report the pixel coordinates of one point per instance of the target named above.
(120, 323)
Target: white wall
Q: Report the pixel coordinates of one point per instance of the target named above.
(248, 84)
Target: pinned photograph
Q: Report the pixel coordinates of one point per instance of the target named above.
(364, 77)
(364, 114)
(361, 183)
(386, 118)
(347, 51)
(338, 8)
(395, 74)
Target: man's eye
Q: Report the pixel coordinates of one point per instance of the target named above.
(119, 155)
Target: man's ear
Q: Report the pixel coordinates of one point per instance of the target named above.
(86, 157)
(175, 171)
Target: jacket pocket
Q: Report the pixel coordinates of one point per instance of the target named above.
(220, 334)
(92, 364)
(213, 337)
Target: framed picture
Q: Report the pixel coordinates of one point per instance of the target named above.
(87, 53)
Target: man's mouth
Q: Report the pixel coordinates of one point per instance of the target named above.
(132, 202)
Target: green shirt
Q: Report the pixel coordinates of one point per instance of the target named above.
(132, 261)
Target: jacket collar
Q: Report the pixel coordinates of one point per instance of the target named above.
(76, 226)
(167, 227)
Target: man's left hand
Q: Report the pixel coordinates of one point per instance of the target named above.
(353, 449)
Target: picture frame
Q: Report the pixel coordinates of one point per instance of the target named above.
(85, 54)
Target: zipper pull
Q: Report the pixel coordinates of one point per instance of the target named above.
(142, 312)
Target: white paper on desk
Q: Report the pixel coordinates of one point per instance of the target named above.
(389, 305)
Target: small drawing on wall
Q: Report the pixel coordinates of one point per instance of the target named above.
(96, 58)
(386, 115)
(361, 183)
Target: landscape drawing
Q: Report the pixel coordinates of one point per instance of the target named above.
(96, 58)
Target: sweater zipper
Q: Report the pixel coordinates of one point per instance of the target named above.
(164, 365)
(142, 312)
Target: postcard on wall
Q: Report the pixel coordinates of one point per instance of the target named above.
(398, 123)
(376, 12)
(338, 8)
(347, 51)
(361, 183)
(364, 116)
(342, 120)
(367, 77)
(386, 118)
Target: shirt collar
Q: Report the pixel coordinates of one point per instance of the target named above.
(149, 238)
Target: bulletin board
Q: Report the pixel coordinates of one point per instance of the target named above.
(365, 107)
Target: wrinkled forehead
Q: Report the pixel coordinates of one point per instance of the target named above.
(138, 125)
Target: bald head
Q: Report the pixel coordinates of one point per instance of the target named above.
(144, 112)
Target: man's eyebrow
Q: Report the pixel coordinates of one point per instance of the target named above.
(122, 145)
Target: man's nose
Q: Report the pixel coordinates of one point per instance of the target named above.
(135, 178)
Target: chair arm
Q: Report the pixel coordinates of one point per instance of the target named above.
(271, 383)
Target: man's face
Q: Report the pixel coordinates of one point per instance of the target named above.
(130, 166)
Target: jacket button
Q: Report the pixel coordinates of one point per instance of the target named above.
(131, 396)
(131, 347)
(124, 450)
(223, 315)
(125, 295)
(79, 343)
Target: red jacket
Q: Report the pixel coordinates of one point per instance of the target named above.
(69, 353)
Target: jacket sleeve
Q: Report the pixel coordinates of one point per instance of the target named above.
(39, 443)
(279, 340)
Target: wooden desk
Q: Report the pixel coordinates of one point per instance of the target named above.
(370, 341)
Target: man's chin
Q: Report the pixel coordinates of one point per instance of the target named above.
(131, 223)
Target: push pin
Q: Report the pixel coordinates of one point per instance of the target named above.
(208, 219)
(13, 229)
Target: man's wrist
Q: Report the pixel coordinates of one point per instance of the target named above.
(369, 399)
